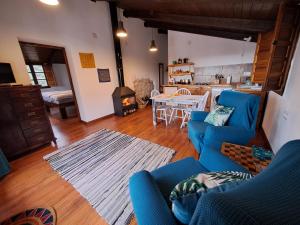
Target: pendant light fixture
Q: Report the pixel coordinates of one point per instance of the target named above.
(153, 47)
(50, 2)
(121, 32)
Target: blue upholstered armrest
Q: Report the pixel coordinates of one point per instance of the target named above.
(199, 115)
(149, 205)
(215, 136)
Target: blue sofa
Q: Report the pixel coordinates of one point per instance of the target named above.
(239, 129)
(270, 198)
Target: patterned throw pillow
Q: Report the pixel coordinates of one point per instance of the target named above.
(219, 116)
(186, 194)
(204, 181)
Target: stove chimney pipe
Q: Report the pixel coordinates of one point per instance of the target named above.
(117, 43)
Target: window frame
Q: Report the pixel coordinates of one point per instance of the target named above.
(33, 73)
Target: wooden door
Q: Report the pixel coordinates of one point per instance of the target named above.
(283, 46)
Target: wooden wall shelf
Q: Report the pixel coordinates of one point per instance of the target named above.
(181, 64)
(180, 74)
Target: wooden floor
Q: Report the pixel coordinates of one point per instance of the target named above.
(33, 183)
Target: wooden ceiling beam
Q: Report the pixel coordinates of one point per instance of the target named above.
(234, 24)
(200, 30)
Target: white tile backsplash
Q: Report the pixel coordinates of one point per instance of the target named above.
(207, 74)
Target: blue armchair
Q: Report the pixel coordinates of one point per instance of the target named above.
(270, 198)
(239, 129)
(150, 191)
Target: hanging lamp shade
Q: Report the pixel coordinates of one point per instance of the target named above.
(50, 2)
(153, 47)
(121, 32)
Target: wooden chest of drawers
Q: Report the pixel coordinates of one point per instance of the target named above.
(24, 124)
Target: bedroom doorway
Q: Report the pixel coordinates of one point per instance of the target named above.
(48, 67)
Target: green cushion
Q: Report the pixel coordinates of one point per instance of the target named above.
(219, 116)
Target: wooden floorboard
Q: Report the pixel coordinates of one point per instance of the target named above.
(33, 183)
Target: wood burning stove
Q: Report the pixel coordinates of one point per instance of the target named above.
(124, 101)
(123, 97)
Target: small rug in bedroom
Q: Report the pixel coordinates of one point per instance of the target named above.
(99, 168)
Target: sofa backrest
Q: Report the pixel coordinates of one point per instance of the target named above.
(245, 108)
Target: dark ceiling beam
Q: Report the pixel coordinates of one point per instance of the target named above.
(104, 0)
(205, 22)
(199, 30)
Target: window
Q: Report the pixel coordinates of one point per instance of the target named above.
(37, 75)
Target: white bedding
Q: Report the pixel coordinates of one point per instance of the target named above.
(55, 95)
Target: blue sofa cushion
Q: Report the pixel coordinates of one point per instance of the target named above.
(186, 194)
(168, 176)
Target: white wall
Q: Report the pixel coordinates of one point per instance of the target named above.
(69, 25)
(138, 62)
(73, 25)
(61, 75)
(282, 118)
(209, 51)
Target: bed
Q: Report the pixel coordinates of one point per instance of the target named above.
(60, 97)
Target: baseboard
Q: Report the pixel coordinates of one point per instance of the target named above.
(99, 119)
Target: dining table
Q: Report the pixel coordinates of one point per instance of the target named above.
(173, 99)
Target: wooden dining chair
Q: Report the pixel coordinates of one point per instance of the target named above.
(179, 107)
(200, 106)
(162, 110)
(183, 91)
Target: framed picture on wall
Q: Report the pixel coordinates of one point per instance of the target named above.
(103, 75)
(87, 60)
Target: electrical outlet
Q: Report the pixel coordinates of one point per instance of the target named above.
(285, 114)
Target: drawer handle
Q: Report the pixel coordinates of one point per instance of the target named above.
(28, 104)
(37, 130)
(31, 114)
(40, 138)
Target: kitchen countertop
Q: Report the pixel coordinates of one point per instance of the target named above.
(235, 86)
(199, 85)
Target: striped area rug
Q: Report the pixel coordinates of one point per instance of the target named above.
(99, 167)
